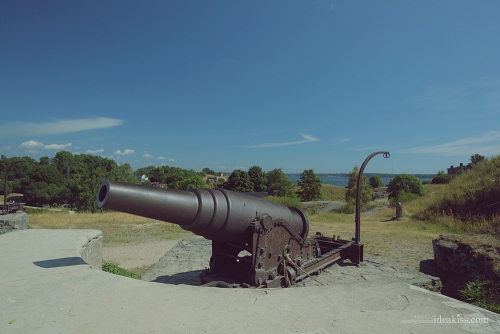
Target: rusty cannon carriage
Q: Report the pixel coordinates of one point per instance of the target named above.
(255, 242)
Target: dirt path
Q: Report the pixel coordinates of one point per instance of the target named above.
(131, 256)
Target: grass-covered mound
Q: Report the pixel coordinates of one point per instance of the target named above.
(469, 201)
(333, 193)
(470, 205)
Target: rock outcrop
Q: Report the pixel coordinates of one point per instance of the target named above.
(463, 258)
(13, 221)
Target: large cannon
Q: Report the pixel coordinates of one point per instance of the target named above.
(254, 241)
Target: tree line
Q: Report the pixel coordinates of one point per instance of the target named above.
(72, 180)
(65, 179)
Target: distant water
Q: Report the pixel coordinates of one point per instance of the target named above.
(341, 181)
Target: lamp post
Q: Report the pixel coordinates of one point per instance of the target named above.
(358, 196)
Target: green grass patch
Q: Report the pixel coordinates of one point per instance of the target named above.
(484, 294)
(114, 269)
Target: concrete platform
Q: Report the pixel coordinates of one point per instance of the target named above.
(46, 287)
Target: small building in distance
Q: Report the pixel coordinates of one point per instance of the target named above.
(455, 170)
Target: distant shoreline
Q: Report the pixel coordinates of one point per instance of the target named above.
(341, 180)
(382, 175)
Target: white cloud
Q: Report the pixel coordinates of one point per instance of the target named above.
(20, 129)
(125, 152)
(307, 139)
(161, 158)
(94, 151)
(29, 145)
(145, 155)
(32, 145)
(170, 159)
(486, 144)
(57, 146)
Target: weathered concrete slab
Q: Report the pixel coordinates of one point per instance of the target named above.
(45, 287)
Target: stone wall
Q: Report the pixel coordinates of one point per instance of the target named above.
(462, 258)
(13, 221)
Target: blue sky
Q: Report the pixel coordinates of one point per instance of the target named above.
(232, 84)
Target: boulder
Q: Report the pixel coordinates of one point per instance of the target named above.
(13, 221)
(463, 258)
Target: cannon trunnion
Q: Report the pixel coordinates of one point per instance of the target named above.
(254, 242)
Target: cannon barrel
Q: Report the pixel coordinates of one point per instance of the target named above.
(216, 214)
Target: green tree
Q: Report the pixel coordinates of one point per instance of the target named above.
(404, 188)
(220, 182)
(309, 186)
(258, 178)
(352, 186)
(63, 161)
(239, 181)
(476, 158)
(44, 161)
(375, 181)
(45, 185)
(278, 184)
(123, 173)
(208, 171)
(193, 181)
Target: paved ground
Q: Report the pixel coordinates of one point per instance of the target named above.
(47, 288)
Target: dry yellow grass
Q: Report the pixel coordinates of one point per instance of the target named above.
(403, 242)
(117, 227)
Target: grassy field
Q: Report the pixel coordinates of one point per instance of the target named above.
(402, 242)
(118, 228)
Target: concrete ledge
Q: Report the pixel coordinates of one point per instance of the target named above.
(46, 287)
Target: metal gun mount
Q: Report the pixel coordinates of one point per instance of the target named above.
(254, 242)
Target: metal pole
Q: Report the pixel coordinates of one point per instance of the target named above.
(358, 192)
(6, 183)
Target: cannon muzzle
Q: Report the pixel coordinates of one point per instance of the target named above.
(216, 214)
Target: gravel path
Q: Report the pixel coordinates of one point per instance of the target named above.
(136, 255)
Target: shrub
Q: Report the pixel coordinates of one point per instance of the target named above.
(404, 187)
(482, 294)
(348, 208)
(375, 181)
(442, 179)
